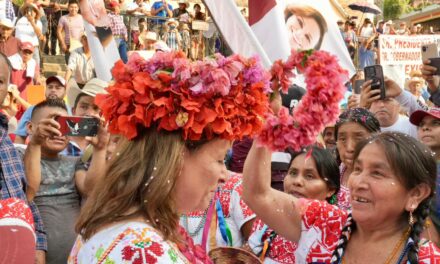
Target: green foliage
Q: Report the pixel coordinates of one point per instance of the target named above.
(393, 9)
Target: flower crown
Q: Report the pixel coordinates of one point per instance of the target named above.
(224, 97)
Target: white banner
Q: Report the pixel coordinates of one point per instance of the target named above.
(401, 55)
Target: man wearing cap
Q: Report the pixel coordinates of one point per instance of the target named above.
(161, 9)
(29, 27)
(415, 87)
(119, 29)
(25, 70)
(72, 27)
(183, 5)
(12, 177)
(80, 64)
(55, 89)
(172, 36)
(9, 45)
(82, 103)
(428, 123)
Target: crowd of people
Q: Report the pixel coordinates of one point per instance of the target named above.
(362, 39)
(175, 172)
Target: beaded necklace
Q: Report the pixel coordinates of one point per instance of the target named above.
(338, 254)
(200, 225)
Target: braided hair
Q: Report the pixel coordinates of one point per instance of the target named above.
(420, 215)
(413, 164)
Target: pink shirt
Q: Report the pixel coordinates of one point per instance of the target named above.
(72, 26)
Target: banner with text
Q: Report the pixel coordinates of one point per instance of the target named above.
(404, 50)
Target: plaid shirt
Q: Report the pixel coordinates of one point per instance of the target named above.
(117, 25)
(13, 181)
(10, 14)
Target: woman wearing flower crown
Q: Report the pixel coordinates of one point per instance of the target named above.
(391, 185)
(313, 174)
(178, 118)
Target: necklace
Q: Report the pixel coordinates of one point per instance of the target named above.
(199, 226)
(396, 248)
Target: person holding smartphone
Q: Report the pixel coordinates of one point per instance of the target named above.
(433, 81)
(386, 110)
(56, 183)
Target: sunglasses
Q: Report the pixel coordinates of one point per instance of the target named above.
(28, 52)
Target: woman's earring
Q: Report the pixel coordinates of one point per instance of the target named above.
(333, 199)
(411, 219)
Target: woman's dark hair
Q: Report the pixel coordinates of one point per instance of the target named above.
(413, 164)
(360, 116)
(325, 165)
(310, 12)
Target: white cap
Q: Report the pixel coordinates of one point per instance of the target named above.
(6, 23)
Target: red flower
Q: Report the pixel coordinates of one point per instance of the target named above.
(203, 98)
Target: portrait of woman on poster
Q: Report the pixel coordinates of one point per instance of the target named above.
(306, 27)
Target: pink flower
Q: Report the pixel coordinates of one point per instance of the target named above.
(320, 106)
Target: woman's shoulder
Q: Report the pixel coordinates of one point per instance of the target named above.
(126, 243)
(428, 252)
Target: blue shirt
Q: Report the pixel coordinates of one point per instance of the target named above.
(26, 117)
(162, 13)
(366, 57)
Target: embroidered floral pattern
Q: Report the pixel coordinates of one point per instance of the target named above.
(132, 242)
(280, 249)
(321, 229)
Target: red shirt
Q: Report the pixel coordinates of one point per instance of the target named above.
(18, 77)
(10, 46)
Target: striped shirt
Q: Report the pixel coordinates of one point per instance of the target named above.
(173, 38)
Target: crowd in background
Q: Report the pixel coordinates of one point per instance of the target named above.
(56, 175)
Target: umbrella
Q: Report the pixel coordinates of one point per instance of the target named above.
(365, 7)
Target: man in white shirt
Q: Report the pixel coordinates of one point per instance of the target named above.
(29, 28)
(80, 64)
(387, 110)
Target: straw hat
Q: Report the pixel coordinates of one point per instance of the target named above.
(162, 46)
(93, 87)
(172, 21)
(184, 3)
(7, 23)
(416, 80)
(24, 8)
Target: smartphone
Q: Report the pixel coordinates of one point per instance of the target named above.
(435, 62)
(78, 126)
(357, 86)
(429, 51)
(375, 73)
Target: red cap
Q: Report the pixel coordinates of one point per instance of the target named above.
(113, 4)
(27, 46)
(418, 115)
